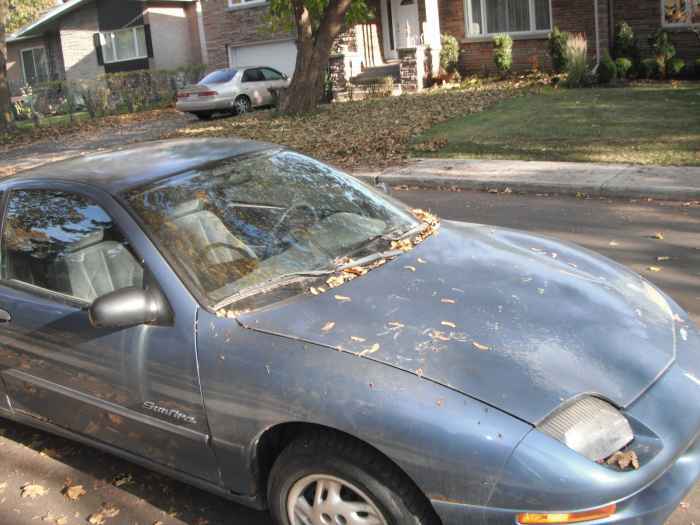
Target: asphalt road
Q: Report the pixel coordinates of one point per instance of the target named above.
(622, 230)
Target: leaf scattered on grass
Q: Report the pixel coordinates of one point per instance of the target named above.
(480, 347)
(74, 492)
(32, 490)
(624, 460)
(328, 326)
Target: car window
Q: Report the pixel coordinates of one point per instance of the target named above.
(253, 75)
(64, 243)
(272, 74)
(219, 77)
(247, 220)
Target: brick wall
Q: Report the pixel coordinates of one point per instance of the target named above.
(645, 17)
(570, 15)
(79, 56)
(224, 27)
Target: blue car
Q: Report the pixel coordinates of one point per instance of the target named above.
(260, 325)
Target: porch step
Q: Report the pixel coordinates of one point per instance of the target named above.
(372, 74)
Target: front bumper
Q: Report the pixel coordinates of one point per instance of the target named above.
(651, 506)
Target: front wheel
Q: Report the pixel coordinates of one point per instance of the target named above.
(328, 479)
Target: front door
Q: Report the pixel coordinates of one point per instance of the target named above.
(134, 388)
(255, 86)
(400, 26)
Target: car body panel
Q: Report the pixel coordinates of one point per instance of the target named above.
(549, 320)
(253, 382)
(94, 382)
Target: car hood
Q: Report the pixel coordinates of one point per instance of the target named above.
(518, 321)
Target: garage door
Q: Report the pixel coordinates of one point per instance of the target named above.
(278, 55)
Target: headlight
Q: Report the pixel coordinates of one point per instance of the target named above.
(590, 426)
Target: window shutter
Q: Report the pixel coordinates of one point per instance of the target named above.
(98, 49)
(149, 42)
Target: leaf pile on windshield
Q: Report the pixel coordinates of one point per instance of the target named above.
(624, 460)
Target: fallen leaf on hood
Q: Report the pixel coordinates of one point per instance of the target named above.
(624, 460)
(372, 349)
(654, 269)
(419, 372)
(357, 339)
(447, 301)
(448, 323)
(328, 326)
(314, 290)
(663, 258)
(32, 491)
(658, 236)
(410, 268)
(440, 336)
(481, 347)
(395, 325)
(614, 243)
(74, 492)
(422, 261)
(342, 298)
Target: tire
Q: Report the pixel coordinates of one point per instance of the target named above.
(203, 115)
(242, 105)
(366, 477)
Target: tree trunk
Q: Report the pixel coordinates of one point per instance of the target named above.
(5, 113)
(313, 53)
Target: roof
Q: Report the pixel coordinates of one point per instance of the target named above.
(36, 27)
(119, 169)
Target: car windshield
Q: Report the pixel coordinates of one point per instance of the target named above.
(252, 219)
(219, 77)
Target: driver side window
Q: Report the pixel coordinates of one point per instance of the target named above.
(64, 243)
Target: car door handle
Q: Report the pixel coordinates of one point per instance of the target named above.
(5, 316)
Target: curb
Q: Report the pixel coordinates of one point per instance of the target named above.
(445, 182)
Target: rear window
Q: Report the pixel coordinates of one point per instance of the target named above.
(219, 77)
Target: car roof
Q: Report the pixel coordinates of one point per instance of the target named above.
(119, 169)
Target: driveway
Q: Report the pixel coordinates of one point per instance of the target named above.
(623, 230)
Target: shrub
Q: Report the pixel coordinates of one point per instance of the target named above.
(449, 54)
(623, 66)
(607, 70)
(649, 68)
(664, 50)
(503, 53)
(557, 49)
(626, 44)
(576, 60)
(675, 66)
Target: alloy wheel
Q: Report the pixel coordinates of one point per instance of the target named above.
(322, 499)
(242, 105)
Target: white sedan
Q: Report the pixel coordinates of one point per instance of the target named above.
(231, 91)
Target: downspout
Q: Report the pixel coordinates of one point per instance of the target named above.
(597, 35)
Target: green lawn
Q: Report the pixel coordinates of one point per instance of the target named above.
(653, 124)
(56, 120)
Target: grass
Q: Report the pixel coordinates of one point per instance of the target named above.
(56, 120)
(645, 124)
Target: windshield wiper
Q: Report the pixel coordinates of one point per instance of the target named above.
(368, 259)
(271, 284)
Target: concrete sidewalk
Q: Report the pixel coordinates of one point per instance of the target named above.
(606, 180)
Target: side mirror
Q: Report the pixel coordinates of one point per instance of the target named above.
(130, 307)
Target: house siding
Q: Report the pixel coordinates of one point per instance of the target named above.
(79, 56)
(644, 16)
(172, 37)
(225, 27)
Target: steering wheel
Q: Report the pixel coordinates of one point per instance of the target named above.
(285, 217)
(246, 252)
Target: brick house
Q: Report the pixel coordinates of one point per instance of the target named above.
(83, 39)
(236, 33)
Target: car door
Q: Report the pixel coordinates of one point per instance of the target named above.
(253, 84)
(274, 80)
(137, 388)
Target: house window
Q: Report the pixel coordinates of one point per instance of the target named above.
(491, 17)
(35, 65)
(681, 12)
(240, 3)
(124, 44)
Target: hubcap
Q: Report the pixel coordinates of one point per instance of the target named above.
(241, 105)
(327, 500)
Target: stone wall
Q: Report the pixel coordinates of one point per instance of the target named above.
(412, 68)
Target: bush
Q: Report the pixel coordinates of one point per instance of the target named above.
(664, 50)
(623, 66)
(449, 54)
(607, 70)
(675, 66)
(503, 53)
(557, 49)
(576, 61)
(649, 68)
(626, 43)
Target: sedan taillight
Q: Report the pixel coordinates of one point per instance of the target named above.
(207, 93)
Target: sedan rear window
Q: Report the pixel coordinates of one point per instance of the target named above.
(253, 219)
(219, 77)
